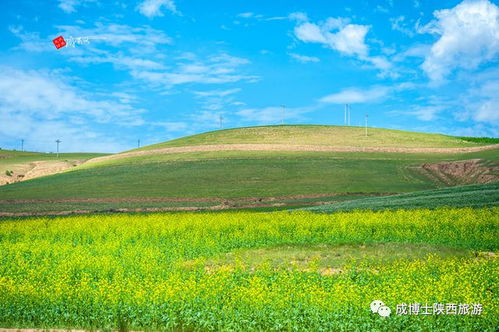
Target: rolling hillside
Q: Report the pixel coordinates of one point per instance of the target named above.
(274, 175)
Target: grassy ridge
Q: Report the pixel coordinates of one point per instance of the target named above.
(150, 272)
(317, 135)
(471, 196)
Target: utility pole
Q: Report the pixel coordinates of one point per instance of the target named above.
(220, 119)
(138, 143)
(349, 113)
(58, 141)
(367, 116)
(22, 145)
(345, 122)
(283, 112)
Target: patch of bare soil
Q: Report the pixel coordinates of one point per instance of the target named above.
(288, 147)
(461, 172)
(36, 169)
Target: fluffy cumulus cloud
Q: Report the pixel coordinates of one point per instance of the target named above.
(357, 96)
(468, 36)
(349, 39)
(152, 8)
(340, 35)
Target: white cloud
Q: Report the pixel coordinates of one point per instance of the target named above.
(30, 41)
(218, 69)
(38, 105)
(170, 126)
(143, 39)
(482, 103)
(399, 24)
(215, 100)
(349, 39)
(310, 33)
(469, 36)
(250, 15)
(298, 16)
(69, 6)
(304, 58)
(152, 8)
(340, 35)
(357, 96)
(271, 115)
(138, 40)
(426, 113)
(216, 93)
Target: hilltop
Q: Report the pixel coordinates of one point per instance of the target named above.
(319, 135)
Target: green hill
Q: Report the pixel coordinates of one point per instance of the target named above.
(276, 178)
(321, 135)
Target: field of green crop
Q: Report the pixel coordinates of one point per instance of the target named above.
(478, 195)
(249, 271)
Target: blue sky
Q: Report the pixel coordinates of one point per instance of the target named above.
(160, 69)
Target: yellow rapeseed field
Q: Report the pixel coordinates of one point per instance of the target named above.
(153, 271)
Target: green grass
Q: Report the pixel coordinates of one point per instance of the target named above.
(471, 196)
(11, 157)
(318, 135)
(418, 158)
(298, 271)
(482, 140)
(228, 174)
(237, 174)
(225, 178)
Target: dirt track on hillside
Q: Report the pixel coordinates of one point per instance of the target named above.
(35, 169)
(287, 147)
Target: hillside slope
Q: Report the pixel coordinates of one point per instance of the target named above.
(235, 178)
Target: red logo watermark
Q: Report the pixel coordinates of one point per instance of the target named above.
(59, 42)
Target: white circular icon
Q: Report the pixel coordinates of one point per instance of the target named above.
(375, 305)
(384, 311)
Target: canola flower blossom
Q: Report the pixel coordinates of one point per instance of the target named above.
(149, 271)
